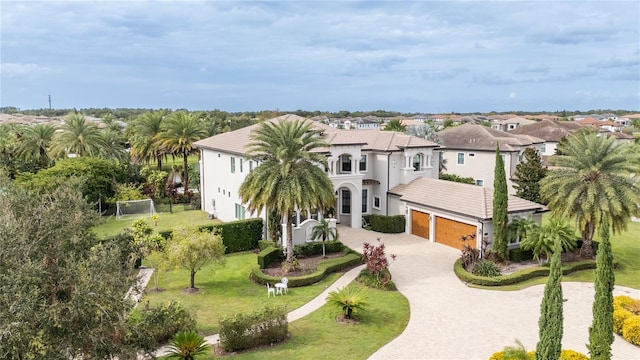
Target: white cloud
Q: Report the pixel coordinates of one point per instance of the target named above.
(512, 95)
(10, 70)
(583, 93)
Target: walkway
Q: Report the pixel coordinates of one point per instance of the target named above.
(452, 321)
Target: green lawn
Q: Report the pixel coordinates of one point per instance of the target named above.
(168, 221)
(626, 252)
(228, 290)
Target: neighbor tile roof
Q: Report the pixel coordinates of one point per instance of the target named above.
(464, 199)
(370, 140)
(549, 130)
(480, 137)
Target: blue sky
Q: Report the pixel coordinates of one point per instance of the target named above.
(424, 56)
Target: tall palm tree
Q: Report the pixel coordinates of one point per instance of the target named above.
(79, 137)
(324, 232)
(395, 125)
(144, 137)
(427, 131)
(178, 134)
(289, 176)
(594, 179)
(115, 147)
(35, 143)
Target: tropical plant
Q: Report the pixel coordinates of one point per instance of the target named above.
(35, 143)
(350, 299)
(187, 345)
(114, 146)
(500, 217)
(192, 249)
(541, 238)
(395, 125)
(594, 180)
(427, 131)
(324, 232)
(290, 175)
(144, 137)
(486, 268)
(179, 133)
(528, 175)
(78, 137)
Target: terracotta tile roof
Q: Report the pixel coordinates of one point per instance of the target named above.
(470, 200)
(480, 137)
(371, 140)
(548, 130)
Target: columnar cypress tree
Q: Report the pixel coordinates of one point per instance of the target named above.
(500, 204)
(550, 323)
(601, 330)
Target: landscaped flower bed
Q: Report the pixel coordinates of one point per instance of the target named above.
(531, 355)
(626, 318)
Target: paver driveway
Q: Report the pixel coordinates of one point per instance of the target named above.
(452, 321)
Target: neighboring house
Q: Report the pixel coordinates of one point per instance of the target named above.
(362, 164)
(551, 131)
(511, 123)
(444, 211)
(470, 151)
(600, 124)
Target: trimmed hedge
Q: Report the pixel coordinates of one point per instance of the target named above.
(518, 276)
(263, 244)
(153, 327)
(387, 224)
(324, 268)
(240, 235)
(246, 331)
(315, 248)
(531, 355)
(625, 322)
(269, 255)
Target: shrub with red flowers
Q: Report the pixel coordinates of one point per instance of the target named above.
(377, 272)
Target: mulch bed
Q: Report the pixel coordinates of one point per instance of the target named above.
(307, 266)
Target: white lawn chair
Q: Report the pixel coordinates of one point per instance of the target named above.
(282, 285)
(270, 291)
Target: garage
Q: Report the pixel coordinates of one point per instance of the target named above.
(449, 232)
(420, 223)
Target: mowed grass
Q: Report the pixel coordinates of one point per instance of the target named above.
(226, 290)
(110, 226)
(626, 252)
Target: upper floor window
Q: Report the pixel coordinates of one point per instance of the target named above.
(250, 165)
(345, 163)
(240, 165)
(233, 165)
(363, 163)
(460, 158)
(417, 162)
(543, 148)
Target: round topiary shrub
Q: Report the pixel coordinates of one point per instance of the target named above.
(486, 268)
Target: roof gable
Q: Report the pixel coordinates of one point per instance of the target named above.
(480, 137)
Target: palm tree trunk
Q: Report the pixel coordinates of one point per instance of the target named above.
(185, 183)
(289, 239)
(159, 161)
(586, 251)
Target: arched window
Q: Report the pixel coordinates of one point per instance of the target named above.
(417, 162)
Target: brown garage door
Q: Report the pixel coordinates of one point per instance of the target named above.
(420, 223)
(449, 232)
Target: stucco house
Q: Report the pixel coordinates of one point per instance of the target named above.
(368, 168)
(470, 151)
(551, 131)
(443, 211)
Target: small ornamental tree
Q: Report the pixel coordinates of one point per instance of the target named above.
(600, 332)
(192, 249)
(551, 317)
(500, 204)
(377, 262)
(528, 175)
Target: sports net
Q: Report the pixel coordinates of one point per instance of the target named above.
(134, 209)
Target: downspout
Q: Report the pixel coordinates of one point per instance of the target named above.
(387, 192)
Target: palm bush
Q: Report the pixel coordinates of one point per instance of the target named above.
(350, 299)
(541, 238)
(187, 345)
(486, 268)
